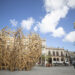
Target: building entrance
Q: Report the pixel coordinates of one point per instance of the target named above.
(50, 61)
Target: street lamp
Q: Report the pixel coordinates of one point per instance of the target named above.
(74, 28)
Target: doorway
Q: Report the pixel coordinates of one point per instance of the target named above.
(50, 61)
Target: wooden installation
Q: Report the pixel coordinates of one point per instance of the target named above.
(17, 51)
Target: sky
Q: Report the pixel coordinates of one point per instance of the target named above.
(53, 20)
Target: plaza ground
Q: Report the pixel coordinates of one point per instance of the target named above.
(69, 70)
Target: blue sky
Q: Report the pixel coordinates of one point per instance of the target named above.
(53, 20)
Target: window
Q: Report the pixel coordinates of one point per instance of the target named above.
(54, 59)
(53, 53)
(57, 53)
(57, 59)
(62, 59)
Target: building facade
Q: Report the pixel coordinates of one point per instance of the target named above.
(53, 56)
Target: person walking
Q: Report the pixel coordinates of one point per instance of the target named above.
(73, 64)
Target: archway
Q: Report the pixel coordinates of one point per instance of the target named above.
(50, 60)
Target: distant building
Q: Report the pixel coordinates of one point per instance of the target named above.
(54, 56)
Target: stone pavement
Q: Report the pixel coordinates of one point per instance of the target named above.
(69, 70)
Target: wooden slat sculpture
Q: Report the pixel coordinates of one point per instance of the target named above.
(19, 52)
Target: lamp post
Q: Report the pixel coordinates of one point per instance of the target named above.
(74, 28)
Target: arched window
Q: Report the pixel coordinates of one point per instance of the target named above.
(57, 53)
(54, 59)
(57, 59)
(53, 53)
(62, 59)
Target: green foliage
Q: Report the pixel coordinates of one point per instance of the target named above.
(43, 57)
(47, 57)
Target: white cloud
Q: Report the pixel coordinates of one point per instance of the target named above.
(71, 3)
(26, 24)
(13, 22)
(55, 10)
(58, 4)
(70, 37)
(51, 20)
(51, 5)
(58, 32)
(35, 28)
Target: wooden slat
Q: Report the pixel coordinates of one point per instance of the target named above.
(14, 54)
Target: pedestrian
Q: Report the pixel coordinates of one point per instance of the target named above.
(73, 64)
